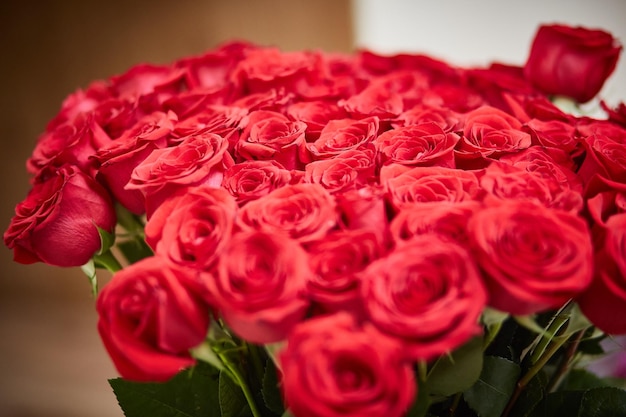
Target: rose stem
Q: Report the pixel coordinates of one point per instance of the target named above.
(566, 361)
(240, 380)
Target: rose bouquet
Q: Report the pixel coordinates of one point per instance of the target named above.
(314, 234)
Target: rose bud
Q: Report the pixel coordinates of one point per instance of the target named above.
(58, 221)
(150, 314)
(571, 61)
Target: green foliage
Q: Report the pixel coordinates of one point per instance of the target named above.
(490, 394)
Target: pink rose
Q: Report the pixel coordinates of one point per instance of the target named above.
(333, 368)
(427, 294)
(260, 284)
(304, 212)
(57, 222)
(417, 145)
(571, 61)
(534, 258)
(270, 135)
(193, 227)
(150, 314)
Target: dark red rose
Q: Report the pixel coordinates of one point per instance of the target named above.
(271, 135)
(343, 135)
(198, 160)
(337, 263)
(425, 144)
(333, 368)
(250, 180)
(571, 61)
(118, 159)
(304, 212)
(445, 219)
(490, 133)
(150, 314)
(406, 186)
(604, 302)
(427, 294)
(259, 286)
(193, 227)
(534, 258)
(58, 221)
(348, 170)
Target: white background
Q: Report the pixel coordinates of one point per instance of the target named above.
(477, 32)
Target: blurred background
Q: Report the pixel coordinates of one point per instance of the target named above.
(51, 361)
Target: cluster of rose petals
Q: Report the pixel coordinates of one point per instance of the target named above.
(375, 202)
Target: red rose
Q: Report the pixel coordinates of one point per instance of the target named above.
(605, 156)
(604, 199)
(250, 180)
(146, 79)
(270, 135)
(604, 302)
(200, 159)
(315, 114)
(445, 219)
(221, 120)
(425, 144)
(193, 227)
(503, 181)
(406, 186)
(73, 142)
(57, 222)
(490, 133)
(364, 209)
(150, 314)
(427, 294)
(616, 115)
(337, 262)
(259, 286)
(534, 258)
(553, 134)
(571, 61)
(304, 212)
(118, 159)
(333, 368)
(343, 135)
(350, 169)
(374, 100)
(443, 117)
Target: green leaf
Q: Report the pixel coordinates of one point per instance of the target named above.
(581, 379)
(271, 393)
(492, 316)
(532, 395)
(135, 250)
(191, 393)
(458, 371)
(603, 402)
(106, 240)
(231, 398)
(490, 394)
(595, 402)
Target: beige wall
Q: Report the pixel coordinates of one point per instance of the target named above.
(51, 361)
